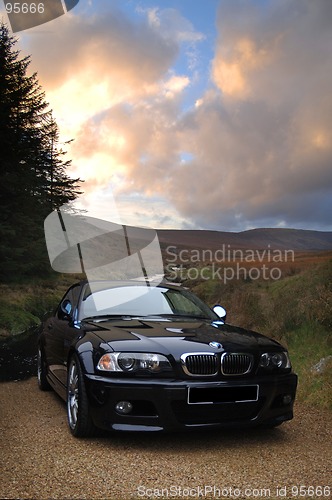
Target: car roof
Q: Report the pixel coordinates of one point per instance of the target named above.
(104, 284)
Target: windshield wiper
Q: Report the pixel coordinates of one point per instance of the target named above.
(105, 317)
(194, 316)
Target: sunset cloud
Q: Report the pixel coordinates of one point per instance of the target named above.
(234, 68)
(97, 63)
(252, 148)
(261, 145)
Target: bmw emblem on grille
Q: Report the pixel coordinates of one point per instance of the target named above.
(215, 345)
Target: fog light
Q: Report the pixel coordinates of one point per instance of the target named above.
(123, 407)
(287, 399)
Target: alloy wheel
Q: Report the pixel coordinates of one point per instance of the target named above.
(73, 395)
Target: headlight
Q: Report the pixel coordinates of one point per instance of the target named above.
(133, 361)
(275, 360)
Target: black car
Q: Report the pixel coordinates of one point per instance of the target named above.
(133, 356)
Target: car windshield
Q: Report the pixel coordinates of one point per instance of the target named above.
(141, 301)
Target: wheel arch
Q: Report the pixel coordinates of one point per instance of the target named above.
(84, 355)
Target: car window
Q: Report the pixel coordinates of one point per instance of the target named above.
(75, 294)
(180, 304)
(141, 301)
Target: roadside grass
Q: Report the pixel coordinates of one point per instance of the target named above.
(307, 346)
(15, 320)
(22, 306)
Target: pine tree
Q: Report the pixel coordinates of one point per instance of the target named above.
(33, 179)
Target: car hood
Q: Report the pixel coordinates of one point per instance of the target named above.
(178, 336)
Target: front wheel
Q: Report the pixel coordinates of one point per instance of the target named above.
(78, 411)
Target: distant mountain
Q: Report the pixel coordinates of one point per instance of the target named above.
(274, 238)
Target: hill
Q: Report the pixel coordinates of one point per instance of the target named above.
(299, 240)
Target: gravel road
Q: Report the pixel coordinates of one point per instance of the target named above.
(41, 460)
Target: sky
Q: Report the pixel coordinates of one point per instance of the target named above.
(194, 114)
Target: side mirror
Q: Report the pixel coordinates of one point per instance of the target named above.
(220, 311)
(66, 308)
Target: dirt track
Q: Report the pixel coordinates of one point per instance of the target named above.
(41, 460)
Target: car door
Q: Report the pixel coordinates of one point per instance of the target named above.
(61, 333)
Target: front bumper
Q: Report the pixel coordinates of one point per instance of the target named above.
(164, 405)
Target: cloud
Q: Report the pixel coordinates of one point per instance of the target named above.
(109, 45)
(172, 25)
(261, 141)
(112, 87)
(88, 64)
(255, 149)
(135, 141)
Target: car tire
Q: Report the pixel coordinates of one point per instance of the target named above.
(42, 371)
(78, 411)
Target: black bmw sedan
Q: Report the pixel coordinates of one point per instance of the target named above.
(133, 356)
